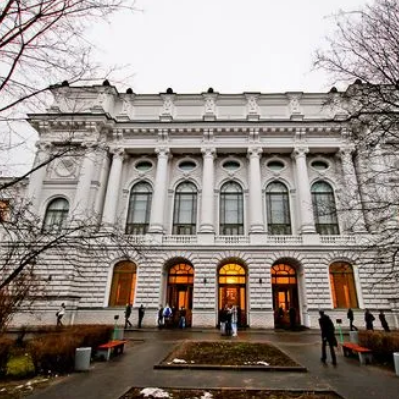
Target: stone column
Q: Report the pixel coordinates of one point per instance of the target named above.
(207, 204)
(158, 202)
(112, 194)
(354, 211)
(82, 193)
(255, 191)
(36, 178)
(305, 198)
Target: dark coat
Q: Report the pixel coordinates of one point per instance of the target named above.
(327, 330)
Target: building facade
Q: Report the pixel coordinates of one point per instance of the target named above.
(226, 199)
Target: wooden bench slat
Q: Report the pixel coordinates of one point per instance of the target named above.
(112, 344)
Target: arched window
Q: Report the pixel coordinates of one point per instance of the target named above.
(123, 284)
(56, 215)
(231, 209)
(185, 212)
(343, 285)
(278, 209)
(138, 216)
(324, 209)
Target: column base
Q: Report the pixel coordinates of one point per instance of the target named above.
(258, 238)
(206, 238)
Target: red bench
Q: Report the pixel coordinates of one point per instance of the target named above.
(110, 349)
(365, 355)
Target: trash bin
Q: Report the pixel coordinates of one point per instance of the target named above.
(396, 361)
(82, 359)
(354, 337)
(118, 333)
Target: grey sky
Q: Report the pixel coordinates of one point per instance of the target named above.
(231, 45)
(190, 45)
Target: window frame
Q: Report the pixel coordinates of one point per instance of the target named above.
(278, 228)
(125, 281)
(339, 279)
(231, 229)
(179, 227)
(319, 198)
(133, 228)
(55, 220)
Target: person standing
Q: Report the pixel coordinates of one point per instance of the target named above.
(141, 315)
(128, 312)
(234, 321)
(328, 337)
(351, 317)
(182, 317)
(383, 321)
(292, 315)
(369, 318)
(60, 314)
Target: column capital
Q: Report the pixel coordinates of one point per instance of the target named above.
(209, 152)
(254, 152)
(117, 152)
(162, 152)
(346, 150)
(300, 152)
(42, 146)
(89, 144)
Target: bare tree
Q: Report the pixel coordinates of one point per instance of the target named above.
(43, 46)
(364, 53)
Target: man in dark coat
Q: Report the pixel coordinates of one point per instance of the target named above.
(128, 312)
(383, 321)
(141, 314)
(369, 318)
(351, 318)
(328, 337)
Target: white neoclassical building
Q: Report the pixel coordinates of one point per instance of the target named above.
(232, 199)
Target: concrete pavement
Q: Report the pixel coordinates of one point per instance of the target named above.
(148, 347)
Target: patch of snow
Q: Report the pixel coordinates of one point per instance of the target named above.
(19, 387)
(154, 392)
(178, 361)
(192, 361)
(3, 389)
(206, 395)
(263, 363)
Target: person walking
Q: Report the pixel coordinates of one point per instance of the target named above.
(128, 312)
(160, 320)
(327, 337)
(351, 317)
(141, 314)
(383, 321)
(60, 314)
(369, 318)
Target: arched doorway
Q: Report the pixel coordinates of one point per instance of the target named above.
(232, 290)
(123, 284)
(285, 294)
(180, 291)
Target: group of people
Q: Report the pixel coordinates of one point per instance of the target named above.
(167, 316)
(228, 320)
(328, 330)
(128, 313)
(369, 320)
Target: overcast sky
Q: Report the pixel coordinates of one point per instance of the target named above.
(231, 45)
(191, 45)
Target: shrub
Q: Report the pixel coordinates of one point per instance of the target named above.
(54, 353)
(20, 366)
(381, 343)
(5, 348)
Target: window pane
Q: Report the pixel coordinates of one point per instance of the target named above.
(138, 217)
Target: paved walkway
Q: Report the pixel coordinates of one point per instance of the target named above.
(135, 368)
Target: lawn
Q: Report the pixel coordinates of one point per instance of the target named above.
(136, 393)
(229, 353)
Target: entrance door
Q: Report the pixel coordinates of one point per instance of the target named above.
(232, 290)
(285, 295)
(180, 292)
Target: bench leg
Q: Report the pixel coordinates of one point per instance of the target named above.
(104, 353)
(365, 358)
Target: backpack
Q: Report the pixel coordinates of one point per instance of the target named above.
(167, 312)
